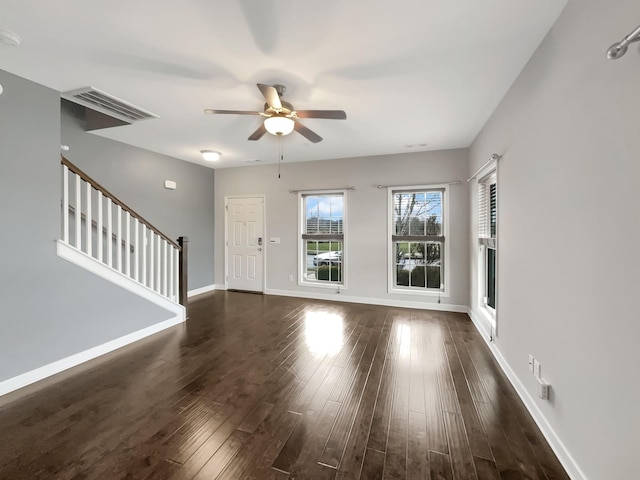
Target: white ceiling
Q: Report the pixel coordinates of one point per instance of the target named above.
(408, 72)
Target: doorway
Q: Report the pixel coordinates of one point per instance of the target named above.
(244, 234)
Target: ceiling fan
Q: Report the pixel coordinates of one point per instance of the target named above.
(280, 116)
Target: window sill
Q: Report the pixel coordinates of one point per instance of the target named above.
(303, 283)
(422, 293)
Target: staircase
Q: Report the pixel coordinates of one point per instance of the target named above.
(103, 235)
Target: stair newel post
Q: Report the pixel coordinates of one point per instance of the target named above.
(182, 269)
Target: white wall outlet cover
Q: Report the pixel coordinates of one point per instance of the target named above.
(274, 240)
(170, 185)
(543, 389)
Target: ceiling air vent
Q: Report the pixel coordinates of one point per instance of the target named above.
(109, 105)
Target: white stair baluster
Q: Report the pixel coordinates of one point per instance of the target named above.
(127, 244)
(170, 260)
(119, 239)
(136, 251)
(78, 213)
(109, 232)
(65, 204)
(164, 268)
(176, 261)
(88, 223)
(152, 241)
(99, 228)
(144, 254)
(158, 264)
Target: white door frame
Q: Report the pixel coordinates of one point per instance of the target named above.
(226, 238)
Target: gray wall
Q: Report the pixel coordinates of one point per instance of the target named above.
(50, 308)
(367, 217)
(137, 176)
(569, 246)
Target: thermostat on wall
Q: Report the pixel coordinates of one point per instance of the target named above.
(170, 185)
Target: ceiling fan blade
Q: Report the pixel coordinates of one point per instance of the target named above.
(271, 96)
(257, 135)
(330, 114)
(310, 135)
(211, 111)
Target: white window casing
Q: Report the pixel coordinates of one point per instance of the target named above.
(322, 238)
(418, 240)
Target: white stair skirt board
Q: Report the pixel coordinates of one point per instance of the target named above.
(88, 263)
(94, 266)
(58, 366)
(567, 460)
(201, 290)
(386, 302)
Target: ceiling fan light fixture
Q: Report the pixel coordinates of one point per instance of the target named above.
(210, 155)
(278, 125)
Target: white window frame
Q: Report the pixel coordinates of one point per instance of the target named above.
(485, 241)
(302, 261)
(391, 259)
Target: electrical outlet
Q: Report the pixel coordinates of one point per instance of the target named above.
(291, 277)
(531, 363)
(543, 389)
(536, 368)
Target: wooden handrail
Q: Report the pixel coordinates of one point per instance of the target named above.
(115, 200)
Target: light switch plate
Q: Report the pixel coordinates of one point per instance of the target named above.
(536, 368)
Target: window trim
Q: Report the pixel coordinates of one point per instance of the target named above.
(487, 176)
(302, 282)
(445, 239)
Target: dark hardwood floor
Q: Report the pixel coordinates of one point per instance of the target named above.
(270, 387)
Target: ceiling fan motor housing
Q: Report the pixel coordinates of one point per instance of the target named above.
(287, 108)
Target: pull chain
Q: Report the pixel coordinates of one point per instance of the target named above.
(280, 156)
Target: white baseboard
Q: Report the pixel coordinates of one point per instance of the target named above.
(58, 366)
(443, 307)
(201, 290)
(92, 265)
(568, 462)
(481, 325)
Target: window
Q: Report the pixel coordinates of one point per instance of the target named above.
(322, 239)
(417, 240)
(487, 239)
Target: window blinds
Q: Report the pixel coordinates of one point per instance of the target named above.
(487, 209)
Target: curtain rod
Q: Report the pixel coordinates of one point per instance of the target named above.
(455, 182)
(494, 158)
(322, 189)
(618, 49)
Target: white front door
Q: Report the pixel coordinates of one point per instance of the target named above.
(245, 243)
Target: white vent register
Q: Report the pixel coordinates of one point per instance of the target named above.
(108, 104)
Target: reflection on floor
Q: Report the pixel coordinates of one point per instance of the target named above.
(272, 387)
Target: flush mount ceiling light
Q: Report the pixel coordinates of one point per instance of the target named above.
(279, 125)
(210, 155)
